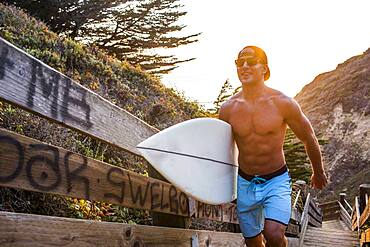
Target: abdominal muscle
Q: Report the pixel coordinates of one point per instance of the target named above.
(260, 155)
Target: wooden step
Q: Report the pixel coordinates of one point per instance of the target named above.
(332, 233)
(328, 234)
(329, 244)
(334, 224)
(333, 238)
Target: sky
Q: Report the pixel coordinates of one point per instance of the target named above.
(301, 38)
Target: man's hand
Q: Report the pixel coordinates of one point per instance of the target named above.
(319, 181)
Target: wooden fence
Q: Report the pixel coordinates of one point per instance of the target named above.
(360, 217)
(356, 217)
(32, 165)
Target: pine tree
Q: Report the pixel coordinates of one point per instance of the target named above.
(141, 28)
(222, 97)
(132, 30)
(66, 16)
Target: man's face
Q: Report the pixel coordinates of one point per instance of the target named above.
(249, 67)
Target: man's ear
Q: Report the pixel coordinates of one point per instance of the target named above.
(264, 68)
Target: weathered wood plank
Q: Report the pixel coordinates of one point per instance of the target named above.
(363, 196)
(38, 88)
(296, 216)
(313, 221)
(344, 210)
(354, 215)
(331, 216)
(304, 219)
(334, 216)
(316, 207)
(365, 236)
(315, 213)
(356, 223)
(345, 219)
(208, 211)
(34, 230)
(332, 208)
(365, 216)
(292, 230)
(345, 216)
(36, 166)
(328, 204)
(225, 212)
(228, 213)
(348, 206)
(297, 198)
(354, 220)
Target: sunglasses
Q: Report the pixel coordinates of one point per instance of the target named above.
(250, 61)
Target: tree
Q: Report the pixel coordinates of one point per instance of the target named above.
(227, 90)
(132, 30)
(66, 16)
(138, 28)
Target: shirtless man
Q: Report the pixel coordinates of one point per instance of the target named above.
(259, 117)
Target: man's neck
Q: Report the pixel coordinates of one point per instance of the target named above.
(255, 91)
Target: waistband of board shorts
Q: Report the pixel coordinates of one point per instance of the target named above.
(265, 177)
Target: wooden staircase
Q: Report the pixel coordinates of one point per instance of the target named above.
(332, 233)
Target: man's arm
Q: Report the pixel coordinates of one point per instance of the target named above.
(302, 128)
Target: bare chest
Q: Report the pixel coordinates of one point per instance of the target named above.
(259, 118)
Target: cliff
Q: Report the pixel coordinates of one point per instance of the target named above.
(338, 105)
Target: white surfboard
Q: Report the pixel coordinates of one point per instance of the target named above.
(198, 156)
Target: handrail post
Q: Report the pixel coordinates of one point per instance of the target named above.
(342, 200)
(344, 215)
(163, 219)
(303, 187)
(301, 183)
(304, 220)
(358, 215)
(364, 194)
(342, 197)
(301, 192)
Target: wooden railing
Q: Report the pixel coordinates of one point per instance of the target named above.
(356, 217)
(360, 217)
(36, 166)
(310, 214)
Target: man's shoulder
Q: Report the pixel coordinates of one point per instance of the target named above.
(286, 105)
(232, 101)
(281, 100)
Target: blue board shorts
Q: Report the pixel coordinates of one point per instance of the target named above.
(259, 200)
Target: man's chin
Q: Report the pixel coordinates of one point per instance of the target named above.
(246, 82)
